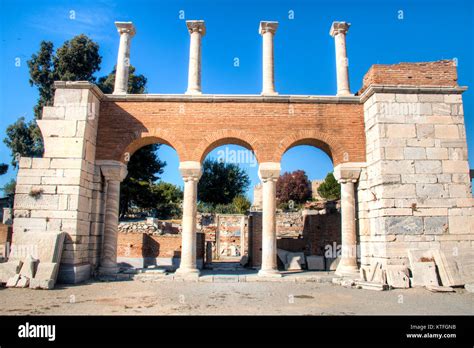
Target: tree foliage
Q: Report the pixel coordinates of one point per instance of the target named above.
(136, 83)
(294, 187)
(144, 169)
(3, 168)
(77, 59)
(330, 188)
(23, 139)
(221, 182)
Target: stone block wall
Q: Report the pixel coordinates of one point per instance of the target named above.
(63, 191)
(415, 192)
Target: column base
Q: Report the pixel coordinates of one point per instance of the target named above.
(108, 270)
(119, 93)
(187, 271)
(269, 273)
(345, 94)
(347, 271)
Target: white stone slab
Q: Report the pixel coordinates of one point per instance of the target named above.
(424, 274)
(9, 269)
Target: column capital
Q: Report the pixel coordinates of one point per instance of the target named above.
(267, 26)
(269, 171)
(126, 28)
(348, 172)
(113, 170)
(339, 28)
(190, 170)
(198, 26)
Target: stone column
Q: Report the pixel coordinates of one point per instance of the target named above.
(268, 30)
(191, 172)
(338, 32)
(347, 175)
(114, 173)
(269, 173)
(126, 31)
(197, 29)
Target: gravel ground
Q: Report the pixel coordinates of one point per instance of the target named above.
(187, 298)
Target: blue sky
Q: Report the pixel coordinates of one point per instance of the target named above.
(304, 51)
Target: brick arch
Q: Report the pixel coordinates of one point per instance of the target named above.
(314, 138)
(223, 137)
(137, 140)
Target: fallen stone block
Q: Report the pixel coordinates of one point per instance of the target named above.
(347, 283)
(469, 287)
(11, 283)
(331, 263)
(45, 276)
(9, 269)
(294, 261)
(448, 268)
(43, 246)
(23, 282)
(424, 274)
(397, 277)
(315, 263)
(282, 255)
(244, 260)
(28, 269)
(371, 285)
(435, 288)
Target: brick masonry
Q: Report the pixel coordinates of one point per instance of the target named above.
(406, 124)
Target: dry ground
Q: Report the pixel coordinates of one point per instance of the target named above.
(184, 298)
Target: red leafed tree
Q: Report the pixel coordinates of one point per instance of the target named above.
(293, 186)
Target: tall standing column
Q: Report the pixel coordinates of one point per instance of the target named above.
(126, 31)
(197, 29)
(114, 173)
(347, 175)
(269, 173)
(191, 172)
(268, 30)
(338, 32)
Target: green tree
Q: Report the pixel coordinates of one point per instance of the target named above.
(3, 168)
(9, 191)
(144, 169)
(241, 204)
(221, 182)
(23, 139)
(136, 83)
(169, 202)
(330, 188)
(77, 59)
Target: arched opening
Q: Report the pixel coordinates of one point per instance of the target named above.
(230, 170)
(150, 207)
(308, 219)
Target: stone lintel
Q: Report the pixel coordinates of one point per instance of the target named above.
(112, 170)
(190, 170)
(196, 26)
(269, 170)
(126, 27)
(349, 171)
(339, 27)
(267, 26)
(80, 85)
(406, 89)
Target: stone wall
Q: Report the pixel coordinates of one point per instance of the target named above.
(63, 191)
(415, 192)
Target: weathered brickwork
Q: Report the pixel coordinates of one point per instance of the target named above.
(193, 128)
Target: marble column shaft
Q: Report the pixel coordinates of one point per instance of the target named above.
(197, 30)
(126, 31)
(338, 32)
(268, 30)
